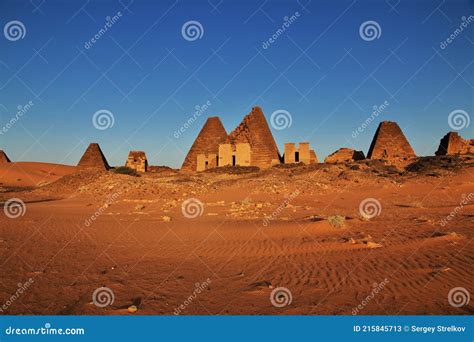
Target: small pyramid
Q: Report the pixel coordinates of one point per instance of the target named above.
(390, 143)
(344, 154)
(255, 131)
(453, 143)
(211, 135)
(4, 158)
(93, 158)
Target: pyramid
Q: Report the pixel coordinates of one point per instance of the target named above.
(254, 130)
(390, 143)
(453, 143)
(343, 155)
(4, 158)
(211, 135)
(93, 158)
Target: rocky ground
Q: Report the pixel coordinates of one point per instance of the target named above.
(355, 238)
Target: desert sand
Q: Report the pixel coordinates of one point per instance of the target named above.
(141, 246)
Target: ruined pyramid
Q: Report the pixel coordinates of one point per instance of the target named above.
(93, 158)
(453, 143)
(4, 158)
(344, 154)
(211, 135)
(254, 130)
(390, 143)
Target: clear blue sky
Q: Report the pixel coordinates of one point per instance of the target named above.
(151, 78)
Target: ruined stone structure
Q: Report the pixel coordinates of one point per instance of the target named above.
(137, 161)
(228, 155)
(234, 155)
(344, 155)
(93, 158)
(301, 154)
(453, 143)
(390, 143)
(211, 135)
(254, 130)
(4, 158)
(206, 161)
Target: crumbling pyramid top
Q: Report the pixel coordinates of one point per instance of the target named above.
(211, 135)
(254, 130)
(390, 143)
(93, 158)
(453, 143)
(4, 158)
(344, 154)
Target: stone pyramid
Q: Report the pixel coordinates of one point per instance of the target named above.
(93, 158)
(254, 130)
(4, 158)
(390, 143)
(211, 135)
(453, 143)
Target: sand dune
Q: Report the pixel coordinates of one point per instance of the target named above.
(31, 174)
(141, 246)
